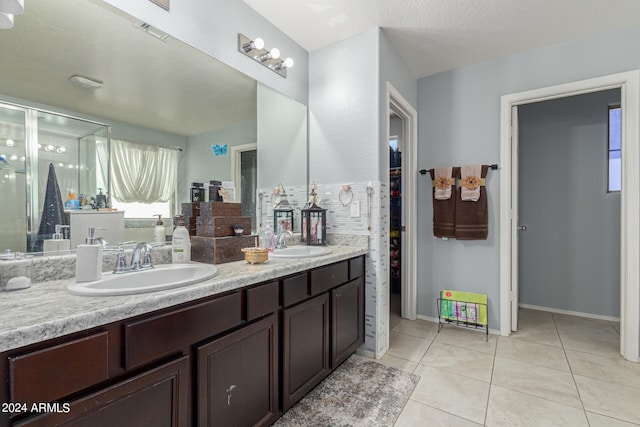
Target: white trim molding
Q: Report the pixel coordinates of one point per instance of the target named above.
(629, 85)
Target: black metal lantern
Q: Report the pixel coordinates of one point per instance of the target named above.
(314, 226)
(314, 222)
(282, 212)
(197, 192)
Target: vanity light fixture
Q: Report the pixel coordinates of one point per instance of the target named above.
(9, 8)
(258, 43)
(255, 50)
(85, 82)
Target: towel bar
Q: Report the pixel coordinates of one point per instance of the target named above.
(424, 171)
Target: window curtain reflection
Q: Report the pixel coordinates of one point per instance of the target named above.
(142, 173)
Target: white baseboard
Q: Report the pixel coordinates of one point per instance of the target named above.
(571, 313)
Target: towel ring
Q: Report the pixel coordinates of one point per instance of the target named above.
(346, 189)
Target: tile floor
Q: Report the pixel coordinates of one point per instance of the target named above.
(557, 370)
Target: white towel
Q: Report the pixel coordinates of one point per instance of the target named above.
(470, 182)
(442, 177)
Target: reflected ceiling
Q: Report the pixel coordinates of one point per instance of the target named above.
(167, 86)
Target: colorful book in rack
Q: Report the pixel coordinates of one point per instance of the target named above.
(463, 307)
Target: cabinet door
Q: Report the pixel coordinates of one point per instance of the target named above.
(238, 377)
(347, 320)
(305, 332)
(158, 397)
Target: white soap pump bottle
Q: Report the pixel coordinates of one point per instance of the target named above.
(159, 232)
(89, 258)
(181, 245)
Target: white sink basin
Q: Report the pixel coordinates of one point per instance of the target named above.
(300, 252)
(166, 276)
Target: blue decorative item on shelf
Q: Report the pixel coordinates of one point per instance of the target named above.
(219, 150)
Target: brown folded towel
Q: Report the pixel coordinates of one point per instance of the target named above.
(472, 218)
(444, 211)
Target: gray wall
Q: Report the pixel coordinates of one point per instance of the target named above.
(459, 120)
(201, 165)
(569, 255)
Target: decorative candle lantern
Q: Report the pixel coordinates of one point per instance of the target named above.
(282, 211)
(197, 192)
(314, 221)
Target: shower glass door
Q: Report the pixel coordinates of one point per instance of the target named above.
(13, 179)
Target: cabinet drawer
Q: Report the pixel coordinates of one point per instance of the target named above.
(262, 300)
(149, 339)
(54, 372)
(325, 278)
(356, 267)
(294, 289)
(158, 397)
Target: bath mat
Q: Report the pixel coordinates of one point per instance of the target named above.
(360, 392)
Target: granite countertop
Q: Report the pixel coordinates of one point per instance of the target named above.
(47, 310)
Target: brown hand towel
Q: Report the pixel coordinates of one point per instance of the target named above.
(444, 211)
(472, 218)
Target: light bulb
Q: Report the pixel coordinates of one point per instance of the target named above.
(49, 148)
(258, 43)
(288, 62)
(10, 142)
(6, 21)
(275, 53)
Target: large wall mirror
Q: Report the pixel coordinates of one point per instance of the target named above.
(156, 91)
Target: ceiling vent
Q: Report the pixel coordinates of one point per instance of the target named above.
(153, 31)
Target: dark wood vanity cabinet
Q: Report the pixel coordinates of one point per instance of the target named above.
(157, 397)
(305, 348)
(237, 377)
(239, 358)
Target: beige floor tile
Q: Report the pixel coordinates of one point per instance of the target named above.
(511, 408)
(537, 326)
(610, 369)
(418, 328)
(613, 400)
(532, 352)
(566, 322)
(607, 345)
(616, 326)
(417, 414)
(398, 363)
(407, 346)
(459, 360)
(538, 381)
(456, 394)
(597, 420)
(467, 338)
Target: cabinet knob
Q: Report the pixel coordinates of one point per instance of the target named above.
(229, 391)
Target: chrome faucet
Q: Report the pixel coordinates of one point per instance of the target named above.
(281, 241)
(139, 261)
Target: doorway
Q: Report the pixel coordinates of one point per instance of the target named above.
(569, 209)
(629, 85)
(408, 127)
(396, 145)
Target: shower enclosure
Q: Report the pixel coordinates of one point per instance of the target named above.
(30, 140)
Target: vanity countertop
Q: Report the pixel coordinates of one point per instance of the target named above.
(47, 310)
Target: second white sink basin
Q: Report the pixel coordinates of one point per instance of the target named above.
(165, 276)
(300, 252)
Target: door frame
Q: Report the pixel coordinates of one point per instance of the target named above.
(397, 104)
(629, 85)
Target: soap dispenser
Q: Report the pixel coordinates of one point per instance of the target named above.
(181, 245)
(89, 259)
(57, 242)
(159, 232)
